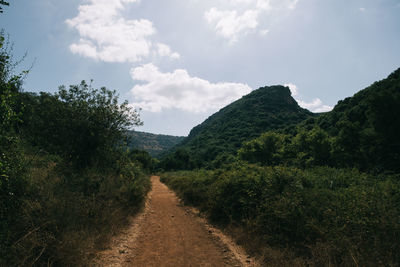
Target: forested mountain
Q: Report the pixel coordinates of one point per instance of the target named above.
(154, 144)
(361, 131)
(222, 134)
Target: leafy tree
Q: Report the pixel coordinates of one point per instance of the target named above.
(346, 145)
(83, 124)
(3, 3)
(385, 121)
(12, 176)
(9, 88)
(306, 148)
(179, 159)
(312, 147)
(264, 149)
(142, 157)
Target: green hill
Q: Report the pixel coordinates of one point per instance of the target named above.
(221, 135)
(154, 144)
(361, 131)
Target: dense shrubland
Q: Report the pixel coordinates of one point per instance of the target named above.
(319, 216)
(67, 180)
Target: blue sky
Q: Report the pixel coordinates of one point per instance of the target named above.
(181, 61)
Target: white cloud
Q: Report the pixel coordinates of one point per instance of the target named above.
(243, 16)
(362, 9)
(293, 88)
(241, 2)
(107, 36)
(230, 25)
(292, 5)
(179, 90)
(164, 50)
(315, 105)
(264, 4)
(264, 32)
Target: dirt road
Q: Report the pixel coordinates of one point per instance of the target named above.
(169, 234)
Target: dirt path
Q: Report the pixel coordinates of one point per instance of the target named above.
(169, 234)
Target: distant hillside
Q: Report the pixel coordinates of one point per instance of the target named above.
(155, 144)
(222, 134)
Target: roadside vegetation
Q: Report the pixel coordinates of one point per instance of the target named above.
(320, 216)
(67, 179)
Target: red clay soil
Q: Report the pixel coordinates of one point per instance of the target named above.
(169, 234)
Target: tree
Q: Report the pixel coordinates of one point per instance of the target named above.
(143, 158)
(4, 3)
(264, 149)
(9, 88)
(12, 176)
(179, 160)
(83, 124)
(312, 147)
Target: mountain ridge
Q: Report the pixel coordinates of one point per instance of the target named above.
(221, 134)
(154, 144)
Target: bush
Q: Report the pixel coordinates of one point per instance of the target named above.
(352, 216)
(67, 214)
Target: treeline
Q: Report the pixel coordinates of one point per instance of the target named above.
(67, 179)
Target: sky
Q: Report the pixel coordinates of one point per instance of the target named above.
(178, 62)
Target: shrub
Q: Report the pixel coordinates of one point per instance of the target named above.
(351, 215)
